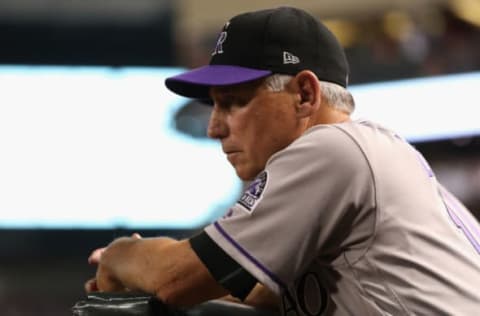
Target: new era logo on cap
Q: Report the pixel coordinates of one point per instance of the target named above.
(289, 58)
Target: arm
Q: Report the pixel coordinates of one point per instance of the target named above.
(260, 297)
(164, 267)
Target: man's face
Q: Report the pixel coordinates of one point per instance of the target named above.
(252, 124)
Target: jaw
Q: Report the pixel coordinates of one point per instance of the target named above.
(244, 174)
(245, 171)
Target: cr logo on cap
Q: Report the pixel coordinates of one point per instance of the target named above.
(221, 38)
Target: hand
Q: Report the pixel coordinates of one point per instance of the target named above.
(102, 281)
(97, 253)
(106, 282)
(94, 259)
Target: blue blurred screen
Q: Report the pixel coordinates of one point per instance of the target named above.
(86, 147)
(96, 147)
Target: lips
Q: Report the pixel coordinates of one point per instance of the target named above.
(231, 155)
(229, 150)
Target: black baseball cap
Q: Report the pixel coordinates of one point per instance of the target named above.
(254, 45)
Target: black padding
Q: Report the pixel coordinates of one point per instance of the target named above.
(122, 304)
(139, 304)
(232, 276)
(224, 308)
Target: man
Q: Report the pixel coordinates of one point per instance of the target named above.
(341, 217)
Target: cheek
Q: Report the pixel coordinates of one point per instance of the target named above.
(263, 129)
(276, 132)
(267, 138)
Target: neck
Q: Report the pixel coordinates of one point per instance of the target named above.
(328, 115)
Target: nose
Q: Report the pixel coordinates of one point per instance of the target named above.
(217, 125)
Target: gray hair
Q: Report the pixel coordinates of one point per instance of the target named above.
(333, 94)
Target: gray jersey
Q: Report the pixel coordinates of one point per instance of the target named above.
(350, 220)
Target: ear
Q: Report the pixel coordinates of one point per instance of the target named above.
(309, 94)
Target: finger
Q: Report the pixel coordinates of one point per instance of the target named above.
(95, 256)
(136, 236)
(105, 283)
(91, 285)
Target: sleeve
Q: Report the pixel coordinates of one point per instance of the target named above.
(304, 206)
(226, 271)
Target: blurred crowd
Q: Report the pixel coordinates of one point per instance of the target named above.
(387, 46)
(398, 46)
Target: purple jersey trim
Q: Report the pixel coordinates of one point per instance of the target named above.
(249, 257)
(463, 223)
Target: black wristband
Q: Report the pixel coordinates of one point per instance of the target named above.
(226, 271)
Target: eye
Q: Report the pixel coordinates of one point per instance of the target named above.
(223, 102)
(229, 101)
(241, 101)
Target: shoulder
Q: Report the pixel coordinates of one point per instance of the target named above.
(329, 143)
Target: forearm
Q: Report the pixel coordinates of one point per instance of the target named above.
(164, 267)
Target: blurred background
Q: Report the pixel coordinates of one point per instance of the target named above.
(92, 146)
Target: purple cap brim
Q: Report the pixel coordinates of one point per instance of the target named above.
(196, 83)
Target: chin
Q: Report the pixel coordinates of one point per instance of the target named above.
(246, 174)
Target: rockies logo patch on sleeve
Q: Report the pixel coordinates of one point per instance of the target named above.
(253, 194)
